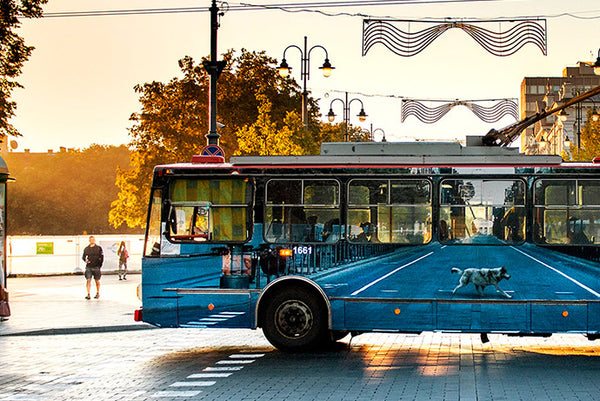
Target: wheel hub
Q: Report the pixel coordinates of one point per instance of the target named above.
(293, 319)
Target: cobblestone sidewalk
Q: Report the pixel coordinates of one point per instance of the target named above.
(56, 305)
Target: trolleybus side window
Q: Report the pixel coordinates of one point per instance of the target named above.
(389, 211)
(152, 245)
(214, 210)
(299, 210)
(482, 211)
(566, 211)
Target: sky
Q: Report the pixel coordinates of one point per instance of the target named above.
(79, 80)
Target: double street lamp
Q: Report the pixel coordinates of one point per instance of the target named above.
(382, 132)
(563, 115)
(578, 118)
(285, 69)
(362, 116)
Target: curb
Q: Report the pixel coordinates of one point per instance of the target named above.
(80, 330)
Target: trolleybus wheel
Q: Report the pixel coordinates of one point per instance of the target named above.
(295, 321)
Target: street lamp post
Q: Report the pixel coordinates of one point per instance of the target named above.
(382, 133)
(214, 69)
(578, 121)
(578, 106)
(362, 116)
(285, 69)
(372, 132)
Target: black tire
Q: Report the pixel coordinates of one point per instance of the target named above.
(295, 321)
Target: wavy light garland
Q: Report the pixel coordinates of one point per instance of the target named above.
(502, 43)
(429, 115)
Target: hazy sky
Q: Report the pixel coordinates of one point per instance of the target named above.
(79, 81)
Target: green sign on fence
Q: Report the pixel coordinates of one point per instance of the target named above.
(44, 248)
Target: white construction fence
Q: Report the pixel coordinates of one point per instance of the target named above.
(62, 254)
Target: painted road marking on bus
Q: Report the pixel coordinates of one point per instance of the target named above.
(211, 320)
(389, 274)
(559, 272)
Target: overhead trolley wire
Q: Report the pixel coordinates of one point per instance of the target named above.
(314, 7)
(290, 7)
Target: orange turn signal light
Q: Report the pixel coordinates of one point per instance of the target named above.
(565, 313)
(285, 252)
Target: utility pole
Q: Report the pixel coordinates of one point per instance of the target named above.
(214, 69)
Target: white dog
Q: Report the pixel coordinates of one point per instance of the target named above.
(482, 278)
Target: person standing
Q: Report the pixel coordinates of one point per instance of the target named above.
(93, 258)
(123, 255)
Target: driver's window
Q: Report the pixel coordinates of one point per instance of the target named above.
(190, 221)
(214, 210)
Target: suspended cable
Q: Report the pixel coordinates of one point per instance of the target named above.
(287, 7)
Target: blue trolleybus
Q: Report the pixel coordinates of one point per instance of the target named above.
(367, 237)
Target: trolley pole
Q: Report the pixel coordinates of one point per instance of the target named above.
(214, 69)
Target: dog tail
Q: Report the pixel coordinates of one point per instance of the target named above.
(456, 270)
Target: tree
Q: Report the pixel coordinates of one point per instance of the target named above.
(64, 193)
(590, 142)
(264, 138)
(13, 54)
(257, 107)
(172, 123)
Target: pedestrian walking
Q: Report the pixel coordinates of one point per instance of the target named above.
(93, 258)
(123, 256)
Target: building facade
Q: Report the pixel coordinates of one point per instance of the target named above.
(552, 135)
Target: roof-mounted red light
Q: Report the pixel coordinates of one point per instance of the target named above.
(200, 159)
(596, 160)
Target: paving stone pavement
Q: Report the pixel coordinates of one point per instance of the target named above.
(56, 304)
(219, 364)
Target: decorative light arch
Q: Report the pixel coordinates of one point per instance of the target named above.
(488, 114)
(503, 43)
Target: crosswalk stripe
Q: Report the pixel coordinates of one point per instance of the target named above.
(208, 375)
(235, 361)
(161, 394)
(193, 384)
(222, 368)
(243, 356)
